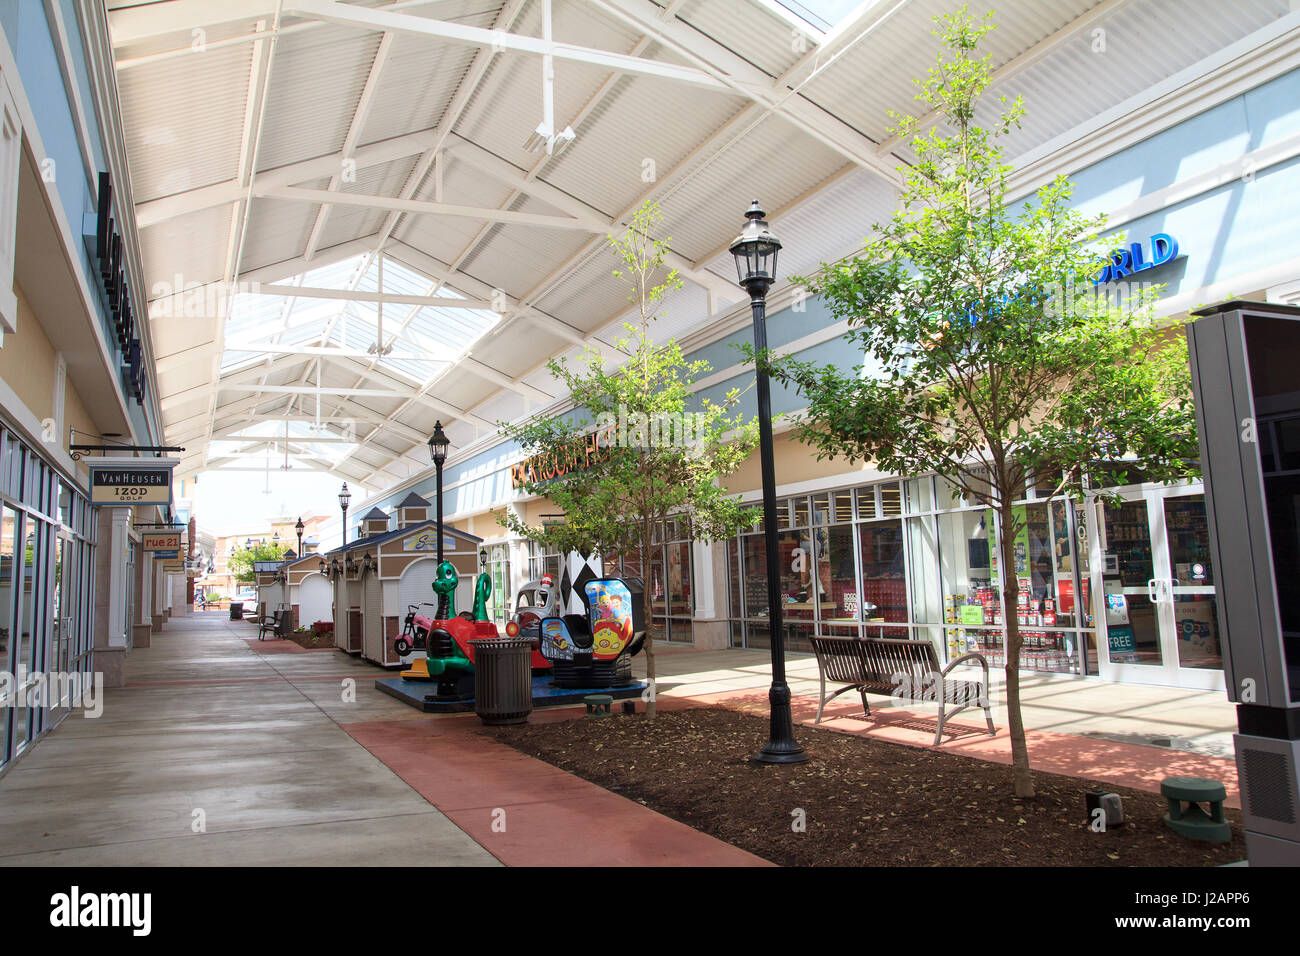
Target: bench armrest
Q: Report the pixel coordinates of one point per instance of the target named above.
(973, 655)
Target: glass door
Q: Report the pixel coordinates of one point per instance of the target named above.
(1134, 647)
(1157, 590)
(1190, 594)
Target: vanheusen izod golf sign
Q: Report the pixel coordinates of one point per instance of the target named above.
(131, 481)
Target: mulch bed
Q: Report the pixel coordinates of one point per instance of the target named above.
(866, 802)
(312, 642)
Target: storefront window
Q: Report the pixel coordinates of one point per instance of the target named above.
(909, 560)
(501, 599)
(1045, 577)
(680, 602)
(866, 498)
(972, 597)
(923, 576)
(920, 495)
(609, 563)
(891, 500)
(884, 583)
(542, 562)
(8, 614)
(837, 581)
(735, 610)
(795, 574)
(656, 591)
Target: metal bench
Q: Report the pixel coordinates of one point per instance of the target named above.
(908, 670)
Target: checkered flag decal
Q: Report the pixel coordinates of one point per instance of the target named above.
(573, 581)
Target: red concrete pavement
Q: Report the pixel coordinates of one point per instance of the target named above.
(526, 812)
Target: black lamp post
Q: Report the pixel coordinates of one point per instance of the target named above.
(344, 497)
(438, 445)
(299, 527)
(755, 252)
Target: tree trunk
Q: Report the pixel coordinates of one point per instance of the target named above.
(649, 647)
(1021, 777)
(650, 665)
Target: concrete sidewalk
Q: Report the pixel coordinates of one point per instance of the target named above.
(209, 735)
(279, 755)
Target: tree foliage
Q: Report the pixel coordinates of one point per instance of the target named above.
(241, 563)
(987, 356)
(660, 453)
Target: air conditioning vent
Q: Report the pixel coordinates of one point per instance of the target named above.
(1266, 779)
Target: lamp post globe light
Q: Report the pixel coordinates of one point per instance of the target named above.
(344, 497)
(755, 252)
(299, 527)
(438, 445)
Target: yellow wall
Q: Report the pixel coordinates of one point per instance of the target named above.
(794, 462)
(27, 361)
(76, 416)
(486, 525)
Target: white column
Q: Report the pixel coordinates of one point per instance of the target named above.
(118, 545)
(159, 586)
(145, 597)
(704, 554)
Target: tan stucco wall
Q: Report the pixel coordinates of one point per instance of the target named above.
(27, 361)
(794, 462)
(76, 416)
(487, 525)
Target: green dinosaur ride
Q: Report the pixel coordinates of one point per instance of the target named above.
(482, 591)
(444, 585)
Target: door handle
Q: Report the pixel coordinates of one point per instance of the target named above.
(1160, 589)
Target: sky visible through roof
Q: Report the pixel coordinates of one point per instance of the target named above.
(418, 342)
(823, 14)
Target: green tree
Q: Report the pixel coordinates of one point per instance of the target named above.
(658, 456)
(980, 361)
(241, 563)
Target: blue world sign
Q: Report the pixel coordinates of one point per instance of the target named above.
(1134, 259)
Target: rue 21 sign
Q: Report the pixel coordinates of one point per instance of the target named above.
(131, 481)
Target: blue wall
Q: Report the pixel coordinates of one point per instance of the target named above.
(32, 45)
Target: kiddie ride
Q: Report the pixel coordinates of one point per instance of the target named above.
(595, 649)
(447, 637)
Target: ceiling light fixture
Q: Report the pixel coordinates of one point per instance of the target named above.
(553, 143)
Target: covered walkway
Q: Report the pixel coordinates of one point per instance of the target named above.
(258, 736)
(252, 740)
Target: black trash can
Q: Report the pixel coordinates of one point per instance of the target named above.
(236, 610)
(503, 679)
